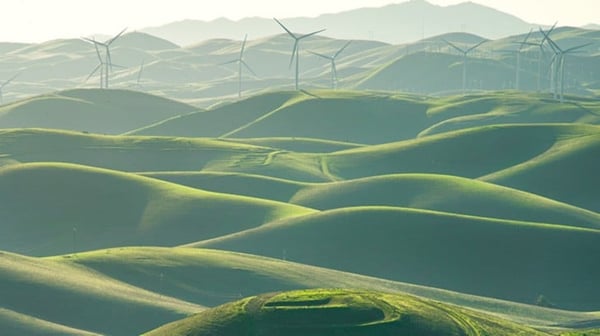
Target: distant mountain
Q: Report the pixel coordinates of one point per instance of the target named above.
(394, 23)
(592, 26)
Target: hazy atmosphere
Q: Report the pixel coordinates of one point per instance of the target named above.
(40, 20)
(277, 168)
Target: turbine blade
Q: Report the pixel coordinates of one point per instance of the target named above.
(293, 53)
(342, 49)
(320, 55)
(243, 46)
(576, 48)
(93, 72)
(229, 62)
(526, 38)
(9, 80)
(454, 46)
(475, 46)
(98, 53)
(249, 68)
(109, 42)
(311, 34)
(285, 28)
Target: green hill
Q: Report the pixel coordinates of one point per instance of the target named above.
(91, 110)
(57, 208)
(444, 193)
(214, 277)
(439, 250)
(339, 312)
(456, 113)
(567, 172)
(468, 153)
(13, 323)
(44, 296)
(234, 183)
(127, 153)
(345, 116)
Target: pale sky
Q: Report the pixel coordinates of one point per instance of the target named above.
(41, 20)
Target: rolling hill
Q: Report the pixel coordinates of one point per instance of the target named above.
(438, 249)
(44, 297)
(91, 110)
(333, 312)
(82, 208)
(444, 193)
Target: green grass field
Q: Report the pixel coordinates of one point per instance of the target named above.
(462, 253)
(81, 208)
(340, 312)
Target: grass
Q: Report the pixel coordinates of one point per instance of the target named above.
(84, 208)
(462, 253)
(566, 172)
(443, 193)
(91, 110)
(45, 295)
(13, 323)
(344, 312)
(214, 277)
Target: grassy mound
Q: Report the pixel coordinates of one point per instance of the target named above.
(45, 296)
(566, 172)
(128, 153)
(339, 312)
(58, 208)
(469, 153)
(13, 323)
(91, 110)
(333, 115)
(214, 277)
(456, 113)
(234, 183)
(439, 250)
(444, 193)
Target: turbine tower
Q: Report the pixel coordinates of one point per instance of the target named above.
(518, 75)
(5, 83)
(241, 63)
(465, 53)
(296, 50)
(108, 64)
(334, 77)
(541, 54)
(560, 55)
(139, 76)
(100, 67)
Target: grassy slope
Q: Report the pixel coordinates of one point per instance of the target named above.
(342, 116)
(92, 110)
(213, 277)
(13, 323)
(567, 172)
(108, 208)
(444, 193)
(80, 298)
(467, 254)
(340, 312)
(234, 183)
(468, 153)
(303, 145)
(120, 152)
(456, 113)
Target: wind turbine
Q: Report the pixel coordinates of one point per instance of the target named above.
(240, 61)
(465, 53)
(6, 82)
(100, 67)
(139, 76)
(540, 45)
(521, 45)
(560, 55)
(108, 64)
(296, 50)
(334, 78)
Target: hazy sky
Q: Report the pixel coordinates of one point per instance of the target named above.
(39, 20)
